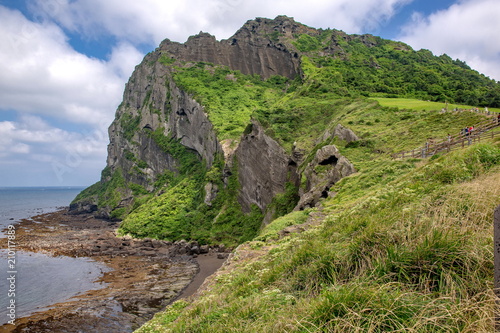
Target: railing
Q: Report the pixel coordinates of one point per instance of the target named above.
(482, 131)
(476, 110)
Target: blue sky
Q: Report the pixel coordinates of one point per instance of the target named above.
(64, 63)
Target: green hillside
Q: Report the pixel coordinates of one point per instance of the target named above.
(416, 104)
(293, 113)
(401, 245)
(339, 75)
(398, 246)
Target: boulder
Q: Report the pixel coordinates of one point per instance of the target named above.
(327, 168)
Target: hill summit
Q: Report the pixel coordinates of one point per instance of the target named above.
(214, 139)
(278, 142)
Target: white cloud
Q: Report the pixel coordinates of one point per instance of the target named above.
(32, 144)
(20, 148)
(151, 21)
(43, 74)
(467, 30)
(33, 130)
(42, 77)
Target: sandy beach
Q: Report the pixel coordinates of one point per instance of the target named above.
(145, 275)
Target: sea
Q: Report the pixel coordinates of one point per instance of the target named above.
(35, 281)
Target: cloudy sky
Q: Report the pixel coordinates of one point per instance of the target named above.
(64, 63)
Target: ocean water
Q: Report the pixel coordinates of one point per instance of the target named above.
(40, 280)
(23, 202)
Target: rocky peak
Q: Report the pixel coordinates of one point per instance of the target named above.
(259, 47)
(283, 25)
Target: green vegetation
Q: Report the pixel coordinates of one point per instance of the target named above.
(129, 124)
(164, 60)
(228, 96)
(179, 212)
(410, 251)
(272, 230)
(293, 112)
(283, 203)
(401, 246)
(108, 193)
(418, 105)
(307, 43)
(371, 66)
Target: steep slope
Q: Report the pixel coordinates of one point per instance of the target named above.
(401, 247)
(213, 138)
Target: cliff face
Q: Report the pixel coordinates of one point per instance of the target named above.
(252, 50)
(263, 168)
(162, 141)
(151, 102)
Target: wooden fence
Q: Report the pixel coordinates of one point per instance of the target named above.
(482, 131)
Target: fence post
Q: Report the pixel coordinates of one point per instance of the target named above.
(496, 237)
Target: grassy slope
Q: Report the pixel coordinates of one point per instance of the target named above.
(403, 246)
(415, 104)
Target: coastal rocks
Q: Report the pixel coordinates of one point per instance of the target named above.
(327, 167)
(84, 206)
(145, 276)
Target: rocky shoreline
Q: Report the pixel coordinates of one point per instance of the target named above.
(145, 276)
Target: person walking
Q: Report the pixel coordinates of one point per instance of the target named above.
(469, 134)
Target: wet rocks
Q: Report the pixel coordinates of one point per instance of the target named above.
(146, 274)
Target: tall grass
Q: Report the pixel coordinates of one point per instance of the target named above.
(414, 255)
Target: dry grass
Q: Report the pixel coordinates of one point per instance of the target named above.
(414, 256)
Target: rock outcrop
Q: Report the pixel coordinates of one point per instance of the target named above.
(158, 121)
(250, 50)
(327, 168)
(263, 168)
(341, 132)
(151, 104)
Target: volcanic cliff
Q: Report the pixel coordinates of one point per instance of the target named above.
(215, 138)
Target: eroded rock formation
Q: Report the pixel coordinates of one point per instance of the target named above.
(155, 106)
(327, 168)
(250, 50)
